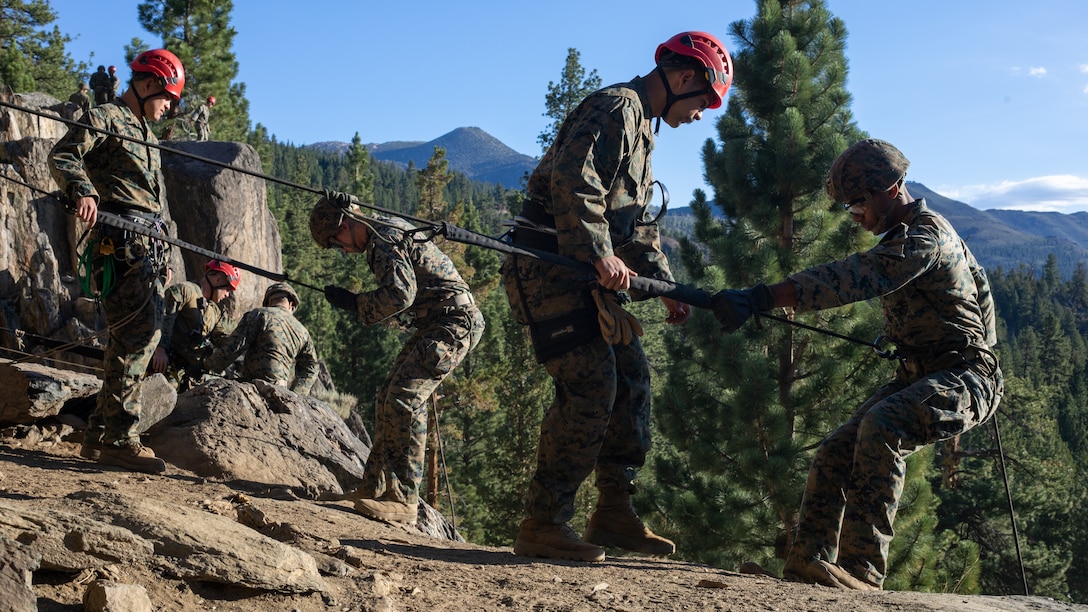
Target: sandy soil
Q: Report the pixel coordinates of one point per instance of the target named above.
(398, 568)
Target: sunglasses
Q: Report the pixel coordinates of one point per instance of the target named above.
(857, 205)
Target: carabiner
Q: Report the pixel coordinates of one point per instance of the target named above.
(886, 354)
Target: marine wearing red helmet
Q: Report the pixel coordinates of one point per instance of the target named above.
(232, 274)
(711, 54)
(164, 65)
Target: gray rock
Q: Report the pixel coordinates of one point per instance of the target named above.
(33, 392)
(108, 596)
(70, 542)
(17, 565)
(198, 545)
(223, 211)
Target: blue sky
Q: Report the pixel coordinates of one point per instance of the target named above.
(989, 100)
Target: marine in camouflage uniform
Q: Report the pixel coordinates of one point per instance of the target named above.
(194, 323)
(939, 313)
(81, 100)
(588, 201)
(418, 280)
(101, 86)
(200, 118)
(276, 346)
(100, 170)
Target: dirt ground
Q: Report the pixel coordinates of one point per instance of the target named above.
(396, 568)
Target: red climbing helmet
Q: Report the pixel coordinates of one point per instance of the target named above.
(233, 277)
(710, 52)
(164, 65)
(211, 100)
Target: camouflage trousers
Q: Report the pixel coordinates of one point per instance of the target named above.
(134, 313)
(857, 474)
(600, 419)
(394, 469)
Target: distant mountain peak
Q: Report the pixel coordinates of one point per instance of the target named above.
(469, 150)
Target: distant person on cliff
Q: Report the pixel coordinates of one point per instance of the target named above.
(588, 200)
(96, 169)
(194, 323)
(939, 313)
(81, 100)
(115, 82)
(201, 116)
(418, 279)
(100, 85)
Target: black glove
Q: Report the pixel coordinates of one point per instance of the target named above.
(338, 199)
(340, 297)
(733, 307)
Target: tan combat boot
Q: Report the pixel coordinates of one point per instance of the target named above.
(825, 573)
(553, 541)
(614, 524)
(386, 510)
(131, 455)
(92, 445)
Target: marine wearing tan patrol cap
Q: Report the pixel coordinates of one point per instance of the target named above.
(871, 165)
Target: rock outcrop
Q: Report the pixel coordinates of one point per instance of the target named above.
(261, 433)
(212, 207)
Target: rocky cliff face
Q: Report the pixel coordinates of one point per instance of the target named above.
(209, 206)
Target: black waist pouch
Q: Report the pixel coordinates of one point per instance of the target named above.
(558, 336)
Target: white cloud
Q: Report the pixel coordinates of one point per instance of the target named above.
(1063, 193)
(1084, 68)
(1037, 71)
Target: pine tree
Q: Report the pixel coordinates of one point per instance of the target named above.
(32, 57)
(200, 34)
(1041, 418)
(744, 410)
(562, 98)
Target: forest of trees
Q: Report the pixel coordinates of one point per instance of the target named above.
(736, 416)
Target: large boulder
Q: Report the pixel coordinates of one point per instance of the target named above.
(223, 210)
(211, 207)
(260, 433)
(257, 434)
(34, 392)
(17, 565)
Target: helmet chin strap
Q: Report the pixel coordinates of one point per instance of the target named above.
(671, 98)
(141, 100)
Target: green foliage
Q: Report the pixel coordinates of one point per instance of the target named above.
(32, 56)
(492, 426)
(1042, 420)
(565, 96)
(200, 34)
